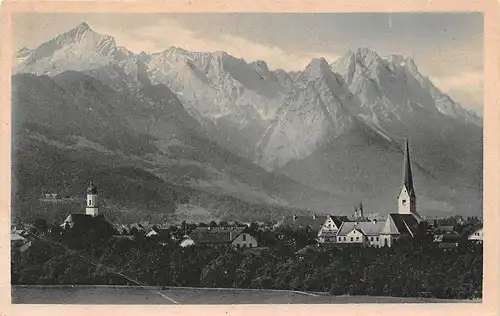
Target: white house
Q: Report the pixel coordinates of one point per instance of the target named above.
(477, 236)
(361, 233)
(327, 233)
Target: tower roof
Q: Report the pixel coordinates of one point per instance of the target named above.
(91, 189)
(407, 175)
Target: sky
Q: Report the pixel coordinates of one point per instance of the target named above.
(447, 47)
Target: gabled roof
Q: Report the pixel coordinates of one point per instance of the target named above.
(366, 228)
(479, 230)
(401, 224)
(338, 220)
(212, 235)
(305, 221)
(16, 237)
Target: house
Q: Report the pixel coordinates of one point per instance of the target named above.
(17, 240)
(361, 233)
(476, 236)
(327, 233)
(238, 237)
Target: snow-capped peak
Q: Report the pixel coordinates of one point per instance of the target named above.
(80, 48)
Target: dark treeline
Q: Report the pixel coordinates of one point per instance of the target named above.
(410, 269)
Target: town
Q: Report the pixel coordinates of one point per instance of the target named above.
(206, 248)
(354, 230)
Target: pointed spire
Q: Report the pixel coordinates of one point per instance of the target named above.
(407, 175)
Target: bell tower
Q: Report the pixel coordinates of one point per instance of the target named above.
(407, 203)
(92, 206)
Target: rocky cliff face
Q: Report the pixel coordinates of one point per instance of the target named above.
(353, 114)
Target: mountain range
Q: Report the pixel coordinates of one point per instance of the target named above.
(322, 139)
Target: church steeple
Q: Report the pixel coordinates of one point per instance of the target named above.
(407, 175)
(407, 201)
(92, 207)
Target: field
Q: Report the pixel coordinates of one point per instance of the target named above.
(33, 294)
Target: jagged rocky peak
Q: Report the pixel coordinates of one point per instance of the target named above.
(317, 66)
(366, 55)
(398, 61)
(261, 68)
(175, 50)
(361, 56)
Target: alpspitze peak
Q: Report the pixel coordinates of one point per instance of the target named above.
(81, 28)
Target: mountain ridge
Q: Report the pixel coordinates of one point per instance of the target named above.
(278, 119)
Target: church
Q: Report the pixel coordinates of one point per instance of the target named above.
(91, 217)
(403, 224)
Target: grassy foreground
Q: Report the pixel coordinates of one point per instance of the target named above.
(81, 294)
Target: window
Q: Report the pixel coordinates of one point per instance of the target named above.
(357, 238)
(244, 245)
(238, 246)
(90, 202)
(377, 238)
(371, 238)
(404, 202)
(244, 237)
(340, 238)
(250, 245)
(352, 239)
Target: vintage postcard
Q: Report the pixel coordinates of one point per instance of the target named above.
(282, 157)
